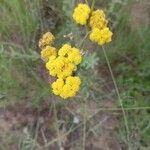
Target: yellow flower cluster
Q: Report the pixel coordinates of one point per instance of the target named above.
(97, 20)
(45, 43)
(100, 33)
(66, 88)
(48, 52)
(81, 14)
(101, 36)
(66, 62)
(60, 67)
(61, 64)
(73, 54)
(47, 39)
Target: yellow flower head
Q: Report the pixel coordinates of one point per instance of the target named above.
(97, 19)
(60, 67)
(48, 52)
(66, 48)
(81, 13)
(70, 87)
(67, 88)
(57, 86)
(47, 39)
(74, 82)
(73, 54)
(101, 36)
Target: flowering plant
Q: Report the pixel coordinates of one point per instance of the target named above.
(63, 63)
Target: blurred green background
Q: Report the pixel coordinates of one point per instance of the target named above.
(24, 80)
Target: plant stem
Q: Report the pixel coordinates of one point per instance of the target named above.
(117, 91)
(57, 127)
(92, 6)
(87, 2)
(85, 37)
(84, 126)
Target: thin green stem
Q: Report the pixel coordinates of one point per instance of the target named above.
(85, 37)
(87, 2)
(93, 4)
(117, 91)
(36, 135)
(57, 127)
(84, 127)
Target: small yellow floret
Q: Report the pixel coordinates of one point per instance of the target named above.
(60, 67)
(47, 39)
(66, 48)
(67, 92)
(101, 36)
(57, 86)
(48, 52)
(71, 87)
(97, 19)
(75, 56)
(74, 82)
(81, 13)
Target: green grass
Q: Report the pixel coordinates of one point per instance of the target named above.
(21, 18)
(21, 25)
